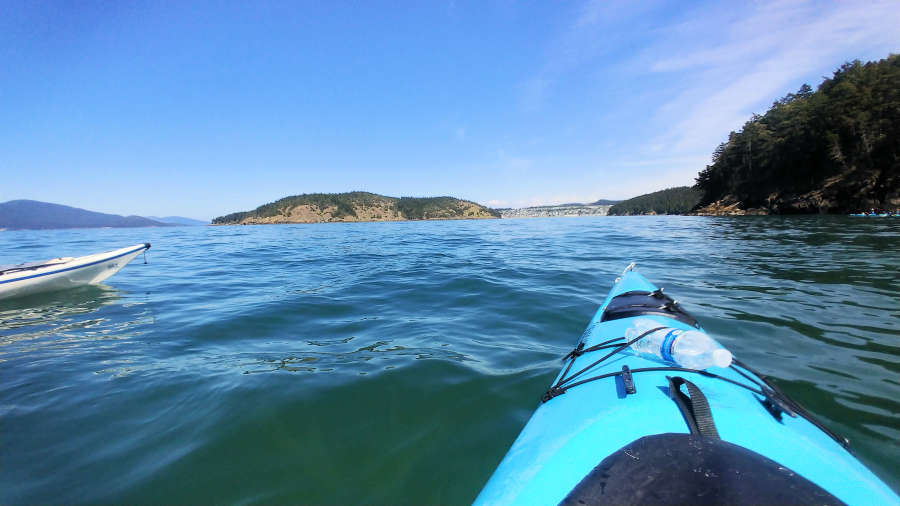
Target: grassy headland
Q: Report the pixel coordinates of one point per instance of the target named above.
(356, 206)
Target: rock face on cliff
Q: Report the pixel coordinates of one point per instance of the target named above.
(357, 206)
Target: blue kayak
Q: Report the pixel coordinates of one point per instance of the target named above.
(616, 427)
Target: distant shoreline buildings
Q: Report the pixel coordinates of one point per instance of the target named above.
(555, 211)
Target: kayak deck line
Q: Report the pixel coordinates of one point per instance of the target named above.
(774, 400)
(32, 266)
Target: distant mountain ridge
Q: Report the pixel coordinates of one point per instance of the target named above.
(178, 220)
(32, 214)
(356, 206)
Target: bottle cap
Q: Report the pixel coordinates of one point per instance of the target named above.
(721, 357)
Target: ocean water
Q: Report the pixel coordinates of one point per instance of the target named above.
(396, 362)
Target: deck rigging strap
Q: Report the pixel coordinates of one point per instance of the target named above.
(619, 344)
(694, 407)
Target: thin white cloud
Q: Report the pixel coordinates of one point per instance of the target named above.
(513, 162)
(700, 74)
(755, 58)
(585, 38)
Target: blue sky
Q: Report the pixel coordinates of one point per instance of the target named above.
(204, 108)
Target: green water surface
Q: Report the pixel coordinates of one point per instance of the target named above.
(396, 362)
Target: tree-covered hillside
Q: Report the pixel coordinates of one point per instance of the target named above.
(424, 208)
(679, 200)
(835, 149)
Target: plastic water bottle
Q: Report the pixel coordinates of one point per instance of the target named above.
(688, 348)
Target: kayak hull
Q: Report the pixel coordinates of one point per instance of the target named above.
(569, 434)
(85, 270)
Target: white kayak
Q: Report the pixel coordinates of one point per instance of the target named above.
(62, 273)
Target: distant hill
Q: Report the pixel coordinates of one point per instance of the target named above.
(605, 202)
(31, 214)
(178, 220)
(356, 206)
(679, 200)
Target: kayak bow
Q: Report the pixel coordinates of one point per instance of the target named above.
(619, 428)
(62, 273)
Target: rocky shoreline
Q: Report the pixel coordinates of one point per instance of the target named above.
(277, 221)
(841, 194)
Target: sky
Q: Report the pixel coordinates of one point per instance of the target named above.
(200, 109)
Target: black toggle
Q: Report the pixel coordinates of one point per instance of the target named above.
(554, 391)
(628, 380)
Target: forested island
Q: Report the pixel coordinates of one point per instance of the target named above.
(832, 150)
(678, 200)
(357, 206)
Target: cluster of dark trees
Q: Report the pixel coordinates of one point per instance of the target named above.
(848, 130)
(678, 200)
(422, 208)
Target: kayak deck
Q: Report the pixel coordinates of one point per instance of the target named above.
(570, 433)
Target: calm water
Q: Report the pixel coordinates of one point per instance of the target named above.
(396, 362)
